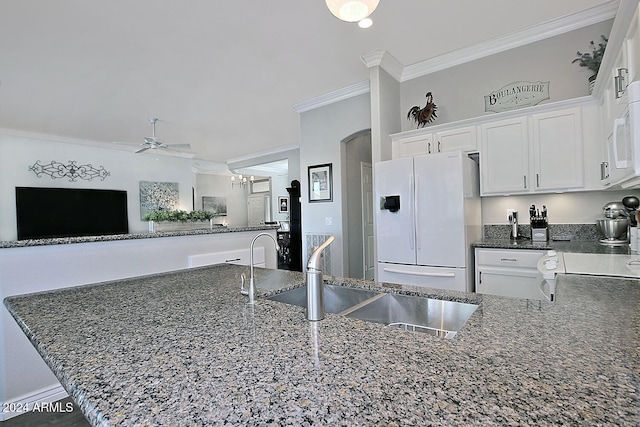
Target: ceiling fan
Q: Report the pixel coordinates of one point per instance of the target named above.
(151, 142)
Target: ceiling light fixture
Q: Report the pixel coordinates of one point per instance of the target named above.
(241, 181)
(365, 23)
(352, 10)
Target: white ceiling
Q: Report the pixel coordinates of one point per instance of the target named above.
(221, 76)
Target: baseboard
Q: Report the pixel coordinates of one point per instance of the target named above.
(27, 402)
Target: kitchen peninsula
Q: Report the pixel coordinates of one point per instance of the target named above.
(28, 266)
(184, 348)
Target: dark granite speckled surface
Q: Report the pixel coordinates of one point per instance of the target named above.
(132, 236)
(184, 349)
(583, 239)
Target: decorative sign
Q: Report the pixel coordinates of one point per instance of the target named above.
(72, 171)
(516, 95)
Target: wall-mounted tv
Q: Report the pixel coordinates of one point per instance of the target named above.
(43, 212)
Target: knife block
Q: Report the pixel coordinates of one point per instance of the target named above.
(540, 234)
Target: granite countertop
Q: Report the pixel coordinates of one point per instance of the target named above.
(576, 246)
(131, 236)
(184, 348)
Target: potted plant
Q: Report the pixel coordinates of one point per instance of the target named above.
(181, 220)
(593, 59)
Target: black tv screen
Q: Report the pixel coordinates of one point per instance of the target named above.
(70, 212)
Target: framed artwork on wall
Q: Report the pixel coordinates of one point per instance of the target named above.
(320, 183)
(283, 204)
(158, 196)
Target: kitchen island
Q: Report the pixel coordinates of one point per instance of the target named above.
(184, 348)
(47, 264)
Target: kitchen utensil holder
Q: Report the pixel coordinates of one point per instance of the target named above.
(540, 234)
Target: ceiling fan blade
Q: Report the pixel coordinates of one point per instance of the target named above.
(151, 140)
(140, 150)
(178, 145)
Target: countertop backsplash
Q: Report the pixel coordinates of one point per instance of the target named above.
(582, 232)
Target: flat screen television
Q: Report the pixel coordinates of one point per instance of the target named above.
(44, 213)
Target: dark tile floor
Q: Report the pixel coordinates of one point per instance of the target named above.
(50, 418)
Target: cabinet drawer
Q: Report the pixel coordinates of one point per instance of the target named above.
(454, 279)
(520, 258)
(239, 256)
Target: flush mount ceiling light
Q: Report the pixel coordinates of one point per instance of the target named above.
(352, 10)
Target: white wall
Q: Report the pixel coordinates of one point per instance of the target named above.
(356, 150)
(568, 208)
(126, 169)
(459, 91)
(321, 133)
(212, 185)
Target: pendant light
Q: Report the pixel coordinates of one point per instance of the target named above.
(352, 10)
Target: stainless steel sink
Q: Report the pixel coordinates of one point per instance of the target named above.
(336, 298)
(412, 313)
(419, 314)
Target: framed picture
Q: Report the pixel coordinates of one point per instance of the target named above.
(283, 204)
(320, 183)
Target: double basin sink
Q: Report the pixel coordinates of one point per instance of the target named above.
(412, 313)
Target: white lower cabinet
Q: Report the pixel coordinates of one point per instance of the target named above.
(509, 273)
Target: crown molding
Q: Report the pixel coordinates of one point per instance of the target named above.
(331, 97)
(545, 30)
(90, 143)
(385, 60)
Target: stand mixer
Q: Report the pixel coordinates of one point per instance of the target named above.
(620, 216)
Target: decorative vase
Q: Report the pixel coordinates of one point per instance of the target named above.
(592, 83)
(158, 226)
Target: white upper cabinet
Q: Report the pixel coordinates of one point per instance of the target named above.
(557, 155)
(620, 66)
(541, 152)
(427, 141)
(410, 145)
(458, 139)
(504, 157)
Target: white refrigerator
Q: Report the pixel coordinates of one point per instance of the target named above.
(427, 217)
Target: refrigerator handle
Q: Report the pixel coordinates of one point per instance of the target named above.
(417, 212)
(412, 235)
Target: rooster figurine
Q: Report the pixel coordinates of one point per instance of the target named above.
(425, 115)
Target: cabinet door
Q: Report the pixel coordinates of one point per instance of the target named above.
(558, 159)
(412, 146)
(461, 139)
(504, 157)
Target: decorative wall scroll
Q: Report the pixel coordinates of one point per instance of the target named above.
(516, 95)
(71, 171)
(158, 196)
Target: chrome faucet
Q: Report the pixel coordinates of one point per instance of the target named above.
(315, 284)
(252, 285)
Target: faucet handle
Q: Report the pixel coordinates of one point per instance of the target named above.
(243, 291)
